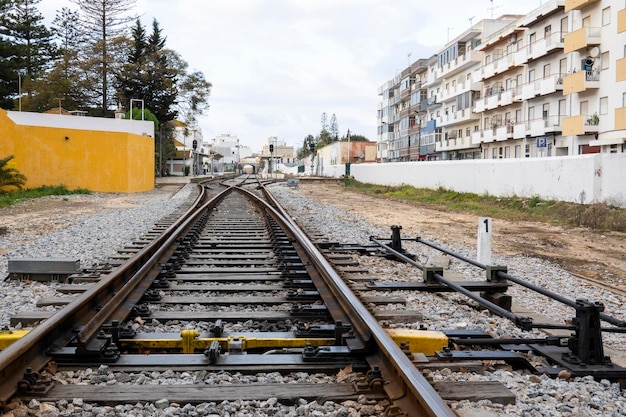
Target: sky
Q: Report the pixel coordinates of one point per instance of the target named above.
(277, 65)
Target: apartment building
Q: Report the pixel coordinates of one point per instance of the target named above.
(595, 87)
(398, 114)
(549, 83)
(522, 72)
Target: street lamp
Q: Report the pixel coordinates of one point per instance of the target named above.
(312, 149)
(348, 163)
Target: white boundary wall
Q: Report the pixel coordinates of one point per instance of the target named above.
(583, 178)
(62, 121)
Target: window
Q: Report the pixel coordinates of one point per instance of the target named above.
(546, 70)
(468, 130)
(494, 153)
(584, 108)
(531, 76)
(518, 151)
(604, 105)
(605, 60)
(623, 99)
(546, 31)
(564, 27)
(606, 16)
(546, 111)
(563, 66)
(527, 150)
(531, 113)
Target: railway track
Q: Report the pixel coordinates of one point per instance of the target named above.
(232, 285)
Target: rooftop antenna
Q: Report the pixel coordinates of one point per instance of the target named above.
(449, 34)
(408, 56)
(492, 8)
(470, 19)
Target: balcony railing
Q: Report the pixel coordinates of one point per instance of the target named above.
(582, 38)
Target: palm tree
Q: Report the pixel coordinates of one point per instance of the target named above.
(10, 177)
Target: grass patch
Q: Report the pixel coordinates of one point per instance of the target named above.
(14, 197)
(597, 216)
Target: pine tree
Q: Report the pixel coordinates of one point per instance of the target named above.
(102, 21)
(25, 44)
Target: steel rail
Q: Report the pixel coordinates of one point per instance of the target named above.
(31, 351)
(415, 385)
(121, 303)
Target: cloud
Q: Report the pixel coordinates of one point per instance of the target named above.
(277, 65)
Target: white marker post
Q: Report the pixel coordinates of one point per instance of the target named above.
(485, 230)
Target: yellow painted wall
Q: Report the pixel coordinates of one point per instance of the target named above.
(96, 160)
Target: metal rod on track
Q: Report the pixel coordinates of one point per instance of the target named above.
(519, 320)
(526, 284)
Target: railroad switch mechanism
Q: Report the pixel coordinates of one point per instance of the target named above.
(8, 337)
(419, 341)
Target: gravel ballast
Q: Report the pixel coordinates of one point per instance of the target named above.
(93, 238)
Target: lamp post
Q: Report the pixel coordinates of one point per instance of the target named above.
(19, 90)
(312, 149)
(348, 163)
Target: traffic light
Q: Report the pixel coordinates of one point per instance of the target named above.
(271, 148)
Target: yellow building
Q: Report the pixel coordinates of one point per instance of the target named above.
(98, 154)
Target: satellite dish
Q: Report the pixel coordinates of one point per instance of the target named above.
(361, 154)
(594, 52)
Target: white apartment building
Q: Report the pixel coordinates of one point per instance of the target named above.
(550, 83)
(595, 87)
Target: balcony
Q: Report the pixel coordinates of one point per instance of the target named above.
(542, 87)
(480, 105)
(459, 64)
(580, 125)
(620, 69)
(582, 38)
(454, 144)
(621, 21)
(578, 4)
(477, 137)
(620, 118)
(489, 70)
(553, 42)
(581, 81)
(503, 132)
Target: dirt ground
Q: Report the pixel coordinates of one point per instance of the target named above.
(583, 252)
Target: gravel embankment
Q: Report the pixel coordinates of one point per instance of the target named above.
(92, 238)
(536, 395)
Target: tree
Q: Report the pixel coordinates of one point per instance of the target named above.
(61, 83)
(306, 147)
(193, 91)
(102, 21)
(355, 138)
(26, 45)
(9, 176)
(334, 128)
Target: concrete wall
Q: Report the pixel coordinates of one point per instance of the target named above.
(102, 161)
(586, 178)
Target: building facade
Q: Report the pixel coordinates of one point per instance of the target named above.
(549, 83)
